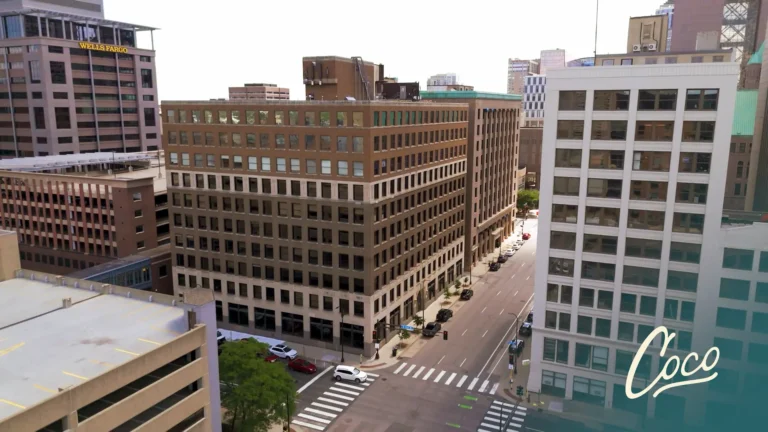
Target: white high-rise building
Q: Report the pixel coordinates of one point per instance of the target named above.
(551, 59)
(632, 187)
(445, 79)
(534, 95)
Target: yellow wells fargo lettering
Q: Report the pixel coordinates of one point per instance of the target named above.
(103, 47)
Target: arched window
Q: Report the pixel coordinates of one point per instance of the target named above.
(739, 169)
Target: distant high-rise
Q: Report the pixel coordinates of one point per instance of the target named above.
(668, 9)
(551, 59)
(259, 91)
(533, 100)
(517, 70)
(442, 79)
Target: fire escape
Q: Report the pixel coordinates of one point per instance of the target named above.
(362, 84)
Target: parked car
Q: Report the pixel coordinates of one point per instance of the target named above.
(526, 329)
(271, 358)
(444, 315)
(220, 339)
(509, 253)
(301, 365)
(283, 351)
(516, 346)
(349, 373)
(526, 236)
(495, 267)
(466, 294)
(432, 329)
(515, 247)
(529, 319)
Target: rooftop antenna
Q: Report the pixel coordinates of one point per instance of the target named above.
(597, 15)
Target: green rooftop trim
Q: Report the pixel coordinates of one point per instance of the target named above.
(744, 113)
(469, 95)
(757, 57)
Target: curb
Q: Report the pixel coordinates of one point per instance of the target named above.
(378, 365)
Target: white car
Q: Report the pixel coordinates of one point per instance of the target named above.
(509, 253)
(283, 351)
(349, 373)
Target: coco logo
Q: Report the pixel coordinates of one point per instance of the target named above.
(672, 366)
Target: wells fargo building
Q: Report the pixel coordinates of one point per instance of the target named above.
(292, 212)
(73, 82)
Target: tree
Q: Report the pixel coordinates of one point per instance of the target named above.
(254, 392)
(457, 285)
(527, 198)
(404, 334)
(418, 320)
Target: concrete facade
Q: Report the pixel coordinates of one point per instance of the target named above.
(648, 33)
(259, 91)
(329, 78)
(530, 152)
(517, 70)
(534, 97)
(631, 208)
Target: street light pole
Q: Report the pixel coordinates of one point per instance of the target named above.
(514, 326)
(341, 330)
(288, 412)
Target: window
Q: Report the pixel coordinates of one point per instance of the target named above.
(561, 267)
(626, 62)
(699, 99)
(688, 223)
(626, 331)
(763, 267)
(642, 248)
(34, 71)
(682, 281)
(657, 100)
(698, 131)
(149, 117)
(734, 289)
(564, 213)
(685, 252)
(553, 383)
(600, 244)
(602, 216)
(628, 303)
(566, 186)
(598, 271)
(573, 100)
(570, 129)
(739, 259)
(238, 314)
(647, 130)
(651, 161)
(606, 159)
(695, 193)
(556, 350)
(731, 318)
(603, 188)
(592, 357)
(39, 117)
(584, 325)
(648, 190)
(264, 319)
(645, 219)
(607, 62)
(146, 78)
(562, 240)
(568, 158)
(62, 118)
(611, 100)
(58, 73)
(609, 130)
(695, 162)
(559, 293)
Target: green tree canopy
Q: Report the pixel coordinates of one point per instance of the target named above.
(254, 392)
(527, 197)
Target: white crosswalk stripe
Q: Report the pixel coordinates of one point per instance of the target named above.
(322, 412)
(440, 375)
(484, 386)
(408, 372)
(450, 379)
(473, 383)
(399, 368)
(493, 389)
(418, 372)
(461, 381)
(428, 374)
(372, 374)
(502, 417)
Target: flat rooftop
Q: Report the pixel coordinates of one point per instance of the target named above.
(45, 347)
(44, 163)
(468, 94)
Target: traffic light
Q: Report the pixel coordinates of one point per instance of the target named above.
(520, 390)
(445, 335)
(375, 339)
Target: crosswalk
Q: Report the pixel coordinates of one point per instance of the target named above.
(503, 415)
(445, 377)
(324, 409)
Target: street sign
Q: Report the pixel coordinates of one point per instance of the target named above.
(511, 367)
(406, 327)
(526, 362)
(377, 345)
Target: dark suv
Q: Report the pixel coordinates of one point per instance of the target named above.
(444, 315)
(432, 329)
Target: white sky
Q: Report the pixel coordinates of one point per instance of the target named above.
(204, 47)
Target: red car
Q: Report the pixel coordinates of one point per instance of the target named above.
(301, 365)
(271, 358)
(526, 236)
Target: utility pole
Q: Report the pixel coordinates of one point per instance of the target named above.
(597, 15)
(423, 305)
(341, 330)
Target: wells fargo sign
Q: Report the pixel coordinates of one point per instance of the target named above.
(103, 47)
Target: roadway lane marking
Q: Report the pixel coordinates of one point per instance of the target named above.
(332, 401)
(486, 332)
(504, 337)
(440, 375)
(462, 363)
(502, 311)
(461, 381)
(309, 425)
(408, 372)
(315, 419)
(528, 278)
(397, 371)
(372, 374)
(515, 293)
(441, 359)
(450, 379)
(504, 404)
(493, 389)
(350, 386)
(312, 381)
(498, 292)
(342, 397)
(318, 412)
(484, 309)
(418, 372)
(522, 265)
(328, 407)
(513, 276)
(484, 386)
(365, 384)
(426, 377)
(465, 330)
(473, 384)
(341, 390)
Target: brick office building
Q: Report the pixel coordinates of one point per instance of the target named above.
(494, 134)
(73, 82)
(291, 212)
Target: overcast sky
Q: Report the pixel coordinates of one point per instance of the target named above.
(204, 47)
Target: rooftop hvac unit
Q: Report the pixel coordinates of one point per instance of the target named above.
(636, 48)
(651, 47)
